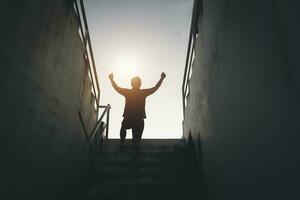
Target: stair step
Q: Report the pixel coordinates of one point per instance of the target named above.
(146, 142)
(108, 172)
(161, 171)
(138, 188)
(112, 173)
(100, 169)
(147, 145)
(129, 156)
(138, 191)
(148, 179)
(145, 149)
(143, 161)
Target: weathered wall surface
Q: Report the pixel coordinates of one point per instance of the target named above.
(244, 106)
(43, 87)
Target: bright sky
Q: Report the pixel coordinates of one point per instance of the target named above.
(144, 38)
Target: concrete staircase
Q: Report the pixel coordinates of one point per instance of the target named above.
(162, 170)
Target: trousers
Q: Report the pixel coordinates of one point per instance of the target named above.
(137, 126)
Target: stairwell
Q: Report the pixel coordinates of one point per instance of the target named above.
(164, 169)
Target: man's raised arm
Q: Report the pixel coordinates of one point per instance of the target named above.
(158, 84)
(120, 90)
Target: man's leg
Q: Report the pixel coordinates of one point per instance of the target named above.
(123, 134)
(137, 132)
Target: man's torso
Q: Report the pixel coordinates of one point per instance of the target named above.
(135, 101)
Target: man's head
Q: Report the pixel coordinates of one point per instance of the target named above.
(136, 82)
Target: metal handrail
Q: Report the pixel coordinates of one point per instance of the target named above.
(101, 126)
(88, 50)
(197, 7)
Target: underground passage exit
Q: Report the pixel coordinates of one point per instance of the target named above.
(144, 39)
(139, 62)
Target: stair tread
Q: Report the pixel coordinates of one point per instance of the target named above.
(156, 173)
(139, 191)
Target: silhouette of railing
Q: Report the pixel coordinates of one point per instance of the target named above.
(88, 51)
(197, 8)
(100, 127)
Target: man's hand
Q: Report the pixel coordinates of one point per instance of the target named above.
(163, 75)
(111, 76)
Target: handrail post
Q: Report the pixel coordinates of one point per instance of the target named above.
(107, 122)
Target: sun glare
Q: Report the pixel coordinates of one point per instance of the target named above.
(126, 65)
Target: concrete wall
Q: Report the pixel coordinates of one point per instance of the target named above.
(43, 86)
(244, 107)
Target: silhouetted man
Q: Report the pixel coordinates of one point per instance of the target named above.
(134, 112)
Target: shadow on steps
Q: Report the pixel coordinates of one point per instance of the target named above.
(163, 169)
